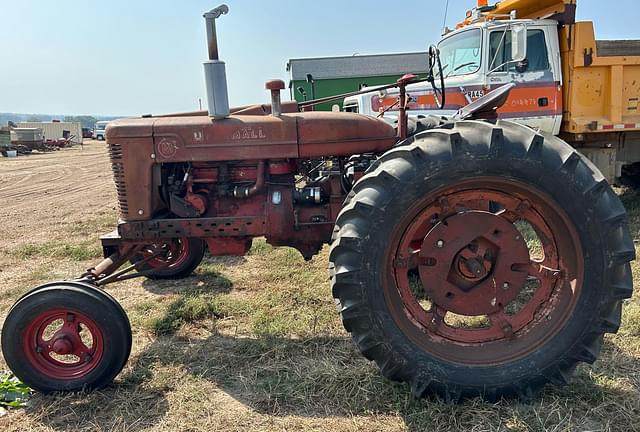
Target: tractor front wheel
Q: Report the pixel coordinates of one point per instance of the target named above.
(66, 336)
(481, 260)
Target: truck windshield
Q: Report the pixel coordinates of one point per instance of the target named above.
(460, 53)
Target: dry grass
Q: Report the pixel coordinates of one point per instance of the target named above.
(254, 343)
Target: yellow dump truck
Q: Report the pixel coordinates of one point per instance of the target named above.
(567, 83)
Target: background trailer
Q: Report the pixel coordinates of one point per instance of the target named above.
(55, 130)
(313, 78)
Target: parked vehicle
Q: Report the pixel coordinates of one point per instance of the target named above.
(87, 132)
(567, 83)
(99, 131)
(467, 257)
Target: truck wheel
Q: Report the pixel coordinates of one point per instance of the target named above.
(179, 259)
(481, 260)
(66, 336)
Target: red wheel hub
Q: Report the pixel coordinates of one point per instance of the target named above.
(63, 344)
(167, 255)
(483, 271)
(460, 269)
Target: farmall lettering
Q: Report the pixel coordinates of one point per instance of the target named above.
(248, 133)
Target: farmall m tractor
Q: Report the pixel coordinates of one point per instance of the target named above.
(469, 256)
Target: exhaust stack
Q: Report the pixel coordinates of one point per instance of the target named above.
(215, 74)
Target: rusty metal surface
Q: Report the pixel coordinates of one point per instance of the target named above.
(234, 138)
(460, 254)
(240, 226)
(462, 272)
(263, 109)
(342, 134)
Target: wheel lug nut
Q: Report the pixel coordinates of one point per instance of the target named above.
(506, 286)
(440, 244)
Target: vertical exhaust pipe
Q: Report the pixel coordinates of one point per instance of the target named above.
(215, 74)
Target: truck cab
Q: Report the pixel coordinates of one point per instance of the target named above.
(99, 130)
(479, 58)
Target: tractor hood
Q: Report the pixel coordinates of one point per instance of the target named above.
(251, 137)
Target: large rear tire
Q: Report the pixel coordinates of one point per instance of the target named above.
(481, 260)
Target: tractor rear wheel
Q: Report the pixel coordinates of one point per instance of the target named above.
(481, 260)
(66, 336)
(175, 259)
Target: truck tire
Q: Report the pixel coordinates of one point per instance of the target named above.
(66, 336)
(183, 257)
(481, 260)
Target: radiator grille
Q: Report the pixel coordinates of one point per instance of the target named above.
(117, 166)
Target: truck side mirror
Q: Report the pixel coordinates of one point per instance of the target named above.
(518, 43)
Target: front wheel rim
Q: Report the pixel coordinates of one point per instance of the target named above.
(63, 344)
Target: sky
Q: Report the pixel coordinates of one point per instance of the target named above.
(132, 57)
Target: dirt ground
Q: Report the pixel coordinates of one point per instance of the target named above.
(251, 343)
(54, 187)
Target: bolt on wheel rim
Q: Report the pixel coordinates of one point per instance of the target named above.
(172, 253)
(63, 344)
(484, 271)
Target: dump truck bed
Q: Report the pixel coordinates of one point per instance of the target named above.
(615, 48)
(601, 90)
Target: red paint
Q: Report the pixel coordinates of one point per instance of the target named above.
(40, 353)
(177, 253)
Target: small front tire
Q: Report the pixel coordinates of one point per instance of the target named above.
(66, 336)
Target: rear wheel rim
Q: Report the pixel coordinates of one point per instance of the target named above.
(495, 299)
(173, 254)
(63, 344)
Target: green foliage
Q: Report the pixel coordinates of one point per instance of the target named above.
(260, 246)
(192, 307)
(13, 393)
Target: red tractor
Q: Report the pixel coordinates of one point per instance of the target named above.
(469, 256)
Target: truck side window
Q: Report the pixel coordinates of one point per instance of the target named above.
(500, 51)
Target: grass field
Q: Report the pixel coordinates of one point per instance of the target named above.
(255, 343)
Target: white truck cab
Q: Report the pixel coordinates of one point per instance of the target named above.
(99, 130)
(478, 58)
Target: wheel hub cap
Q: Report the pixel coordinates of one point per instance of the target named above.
(62, 346)
(471, 263)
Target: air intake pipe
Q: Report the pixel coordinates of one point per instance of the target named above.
(215, 74)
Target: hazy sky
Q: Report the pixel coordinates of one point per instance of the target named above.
(130, 57)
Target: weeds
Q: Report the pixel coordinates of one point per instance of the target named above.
(78, 252)
(13, 393)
